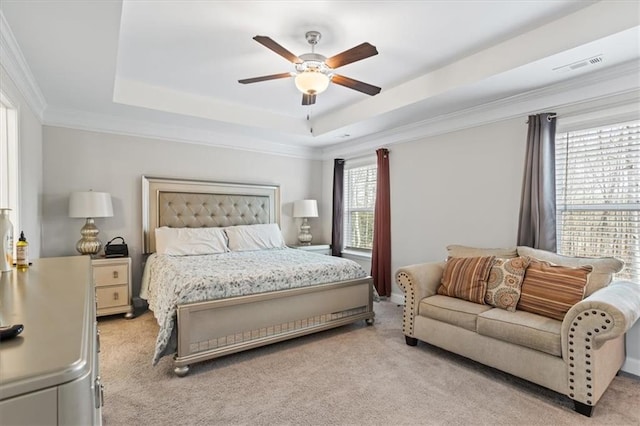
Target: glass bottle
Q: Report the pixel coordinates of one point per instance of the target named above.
(22, 252)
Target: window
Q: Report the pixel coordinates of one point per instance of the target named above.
(9, 161)
(598, 194)
(359, 204)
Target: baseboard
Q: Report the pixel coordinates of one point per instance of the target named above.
(632, 366)
(396, 298)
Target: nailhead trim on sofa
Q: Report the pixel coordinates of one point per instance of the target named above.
(404, 281)
(584, 329)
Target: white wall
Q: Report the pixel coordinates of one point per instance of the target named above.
(30, 158)
(632, 363)
(458, 188)
(76, 160)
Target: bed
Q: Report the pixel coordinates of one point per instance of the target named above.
(237, 311)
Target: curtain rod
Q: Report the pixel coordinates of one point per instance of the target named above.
(362, 156)
(549, 117)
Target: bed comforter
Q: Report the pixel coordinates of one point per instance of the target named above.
(169, 281)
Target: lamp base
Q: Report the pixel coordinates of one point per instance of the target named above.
(305, 236)
(89, 243)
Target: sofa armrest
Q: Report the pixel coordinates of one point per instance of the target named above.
(417, 282)
(607, 313)
(600, 318)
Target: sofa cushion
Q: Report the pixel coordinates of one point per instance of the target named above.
(603, 267)
(466, 278)
(522, 328)
(453, 311)
(504, 282)
(551, 290)
(455, 250)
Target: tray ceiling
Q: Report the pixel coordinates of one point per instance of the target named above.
(176, 63)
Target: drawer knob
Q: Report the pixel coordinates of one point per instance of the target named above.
(116, 296)
(115, 274)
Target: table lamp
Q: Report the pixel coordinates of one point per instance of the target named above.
(305, 209)
(90, 205)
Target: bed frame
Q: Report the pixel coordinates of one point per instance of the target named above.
(207, 330)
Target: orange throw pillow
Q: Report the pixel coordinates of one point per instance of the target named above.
(466, 278)
(551, 290)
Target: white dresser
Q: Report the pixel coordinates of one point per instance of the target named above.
(49, 374)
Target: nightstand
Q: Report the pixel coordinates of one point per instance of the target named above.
(318, 248)
(112, 279)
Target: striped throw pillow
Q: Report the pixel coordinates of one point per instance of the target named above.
(551, 290)
(466, 278)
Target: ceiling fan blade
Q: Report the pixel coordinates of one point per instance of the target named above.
(265, 78)
(356, 85)
(354, 54)
(308, 99)
(270, 44)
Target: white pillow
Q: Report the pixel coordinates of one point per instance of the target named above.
(254, 237)
(190, 241)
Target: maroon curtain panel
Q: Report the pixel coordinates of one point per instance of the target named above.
(381, 256)
(337, 233)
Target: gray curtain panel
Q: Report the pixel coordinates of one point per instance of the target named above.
(537, 224)
(337, 238)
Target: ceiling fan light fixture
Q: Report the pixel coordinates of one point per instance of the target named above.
(312, 82)
(313, 71)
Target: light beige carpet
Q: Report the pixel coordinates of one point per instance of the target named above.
(353, 375)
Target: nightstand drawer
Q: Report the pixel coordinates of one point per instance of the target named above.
(112, 279)
(111, 274)
(109, 297)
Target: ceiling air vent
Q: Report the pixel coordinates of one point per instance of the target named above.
(594, 60)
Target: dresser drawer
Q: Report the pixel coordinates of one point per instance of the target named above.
(111, 274)
(109, 297)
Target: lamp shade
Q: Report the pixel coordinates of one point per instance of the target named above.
(312, 82)
(305, 208)
(90, 204)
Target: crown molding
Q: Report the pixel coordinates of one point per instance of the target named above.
(569, 94)
(105, 123)
(594, 87)
(18, 70)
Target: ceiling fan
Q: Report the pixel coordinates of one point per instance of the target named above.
(313, 72)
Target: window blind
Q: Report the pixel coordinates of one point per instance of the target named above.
(598, 194)
(359, 202)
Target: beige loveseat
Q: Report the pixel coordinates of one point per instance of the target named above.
(578, 356)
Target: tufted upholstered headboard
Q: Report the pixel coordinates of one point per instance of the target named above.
(181, 203)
